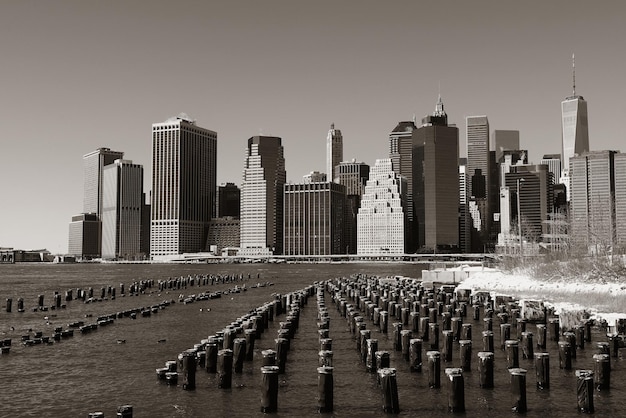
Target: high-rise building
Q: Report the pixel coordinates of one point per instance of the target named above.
(401, 144)
(184, 157)
(535, 198)
(228, 200)
(122, 203)
(464, 215)
(574, 128)
(224, 232)
(478, 173)
(504, 140)
(435, 182)
(85, 236)
(593, 201)
(508, 159)
(353, 176)
(380, 221)
(262, 194)
(93, 164)
(334, 151)
(478, 155)
(314, 218)
(620, 202)
(553, 161)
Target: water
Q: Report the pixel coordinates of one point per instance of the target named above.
(92, 372)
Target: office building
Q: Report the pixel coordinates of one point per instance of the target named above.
(504, 140)
(353, 175)
(464, 215)
(228, 201)
(224, 232)
(122, 185)
(380, 221)
(334, 151)
(314, 218)
(435, 182)
(183, 186)
(93, 164)
(85, 236)
(401, 144)
(593, 198)
(478, 171)
(574, 127)
(620, 202)
(553, 161)
(262, 194)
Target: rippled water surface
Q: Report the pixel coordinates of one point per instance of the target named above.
(93, 372)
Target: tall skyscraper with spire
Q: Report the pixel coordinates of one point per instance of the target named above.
(574, 128)
(184, 157)
(262, 195)
(334, 151)
(435, 182)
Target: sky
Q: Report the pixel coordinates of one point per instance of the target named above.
(79, 75)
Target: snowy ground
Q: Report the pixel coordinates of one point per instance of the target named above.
(564, 295)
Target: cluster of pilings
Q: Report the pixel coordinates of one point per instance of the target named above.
(135, 288)
(228, 351)
(440, 321)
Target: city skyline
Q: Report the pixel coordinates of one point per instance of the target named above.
(80, 76)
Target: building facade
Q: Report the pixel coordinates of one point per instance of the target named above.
(478, 171)
(401, 144)
(228, 201)
(224, 232)
(314, 218)
(122, 204)
(85, 236)
(93, 165)
(620, 202)
(435, 183)
(353, 176)
(592, 201)
(334, 151)
(380, 221)
(504, 140)
(184, 157)
(262, 194)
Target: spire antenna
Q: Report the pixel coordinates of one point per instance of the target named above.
(574, 74)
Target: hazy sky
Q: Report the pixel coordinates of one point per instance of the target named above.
(78, 75)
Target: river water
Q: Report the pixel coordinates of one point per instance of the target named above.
(94, 372)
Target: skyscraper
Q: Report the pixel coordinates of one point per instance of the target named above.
(93, 164)
(553, 161)
(478, 155)
(85, 237)
(620, 202)
(401, 144)
(122, 204)
(464, 215)
(183, 186)
(314, 218)
(504, 140)
(593, 201)
(435, 182)
(228, 200)
(478, 173)
(264, 177)
(574, 128)
(380, 221)
(353, 176)
(334, 151)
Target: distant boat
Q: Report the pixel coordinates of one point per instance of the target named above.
(121, 341)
